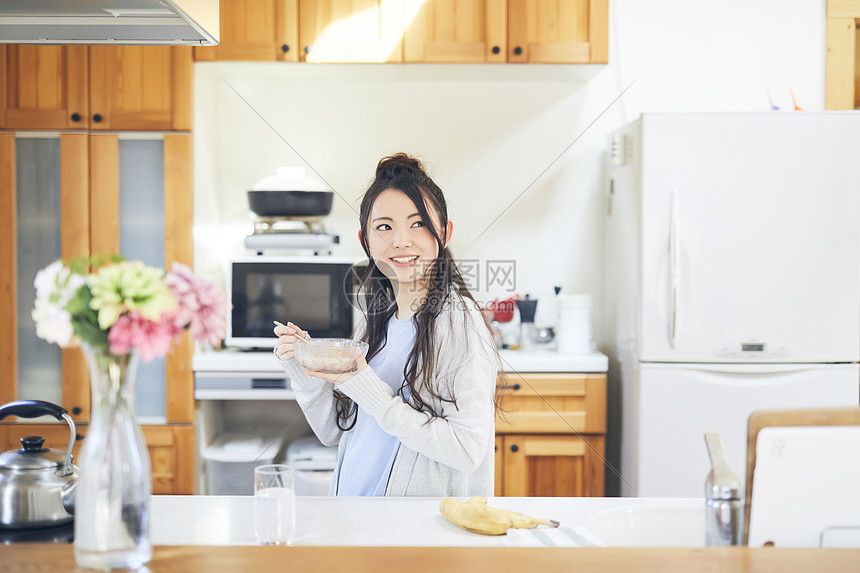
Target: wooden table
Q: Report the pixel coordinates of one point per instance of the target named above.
(49, 558)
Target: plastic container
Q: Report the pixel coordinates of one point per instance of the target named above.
(230, 461)
(314, 465)
(574, 325)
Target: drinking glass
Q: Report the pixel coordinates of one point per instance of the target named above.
(274, 504)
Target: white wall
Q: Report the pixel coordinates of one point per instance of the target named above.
(517, 149)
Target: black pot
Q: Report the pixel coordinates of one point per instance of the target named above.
(290, 203)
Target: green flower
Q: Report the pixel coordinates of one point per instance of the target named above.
(129, 286)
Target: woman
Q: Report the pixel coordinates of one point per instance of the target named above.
(417, 416)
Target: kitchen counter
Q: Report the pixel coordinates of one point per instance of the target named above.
(362, 521)
(512, 361)
(230, 374)
(215, 533)
(60, 558)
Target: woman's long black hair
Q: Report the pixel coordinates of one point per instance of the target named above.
(376, 294)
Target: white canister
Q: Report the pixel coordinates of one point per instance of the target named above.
(574, 324)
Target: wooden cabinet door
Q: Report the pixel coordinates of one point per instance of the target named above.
(43, 87)
(96, 87)
(104, 202)
(86, 221)
(351, 30)
(558, 31)
(140, 88)
(553, 466)
(171, 454)
(263, 30)
(67, 210)
(455, 31)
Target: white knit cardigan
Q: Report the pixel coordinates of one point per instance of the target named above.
(447, 454)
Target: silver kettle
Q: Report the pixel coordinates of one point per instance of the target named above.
(37, 484)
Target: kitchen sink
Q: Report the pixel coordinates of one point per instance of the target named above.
(650, 526)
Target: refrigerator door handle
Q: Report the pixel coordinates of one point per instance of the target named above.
(751, 369)
(674, 270)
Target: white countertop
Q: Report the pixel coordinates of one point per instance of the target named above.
(237, 361)
(361, 521)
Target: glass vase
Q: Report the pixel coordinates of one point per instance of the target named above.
(115, 483)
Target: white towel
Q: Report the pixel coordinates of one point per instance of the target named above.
(553, 537)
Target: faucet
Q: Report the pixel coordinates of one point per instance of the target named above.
(723, 503)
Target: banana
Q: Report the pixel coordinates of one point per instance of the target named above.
(476, 516)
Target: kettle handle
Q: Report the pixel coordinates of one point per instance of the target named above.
(36, 408)
(31, 409)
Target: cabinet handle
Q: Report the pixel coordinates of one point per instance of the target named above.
(78, 437)
(285, 48)
(77, 410)
(307, 49)
(518, 50)
(496, 49)
(509, 387)
(514, 448)
(76, 117)
(97, 118)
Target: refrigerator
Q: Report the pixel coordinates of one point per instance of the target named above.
(732, 282)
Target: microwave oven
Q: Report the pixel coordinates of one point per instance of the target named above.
(313, 292)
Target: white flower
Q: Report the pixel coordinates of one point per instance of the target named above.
(55, 286)
(47, 279)
(53, 322)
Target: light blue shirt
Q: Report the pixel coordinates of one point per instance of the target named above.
(370, 451)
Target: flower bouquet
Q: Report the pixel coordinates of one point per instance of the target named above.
(125, 305)
(119, 312)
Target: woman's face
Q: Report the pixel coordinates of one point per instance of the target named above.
(400, 242)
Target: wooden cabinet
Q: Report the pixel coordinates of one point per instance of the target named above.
(455, 31)
(43, 87)
(308, 31)
(351, 31)
(522, 31)
(79, 202)
(170, 449)
(86, 220)
(842, 72)
(515, 31)
(550, 435)
(140, 88)
(558, 31)
(95, 87)
(264, 30)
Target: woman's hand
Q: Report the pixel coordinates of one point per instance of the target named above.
(360, 362)
(287, 335)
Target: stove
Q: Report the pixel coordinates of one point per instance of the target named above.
(290, 234)
(58, 534)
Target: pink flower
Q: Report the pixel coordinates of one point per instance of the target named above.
(202, 305)
(152, 339)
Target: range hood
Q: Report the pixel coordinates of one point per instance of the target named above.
(175, 22)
